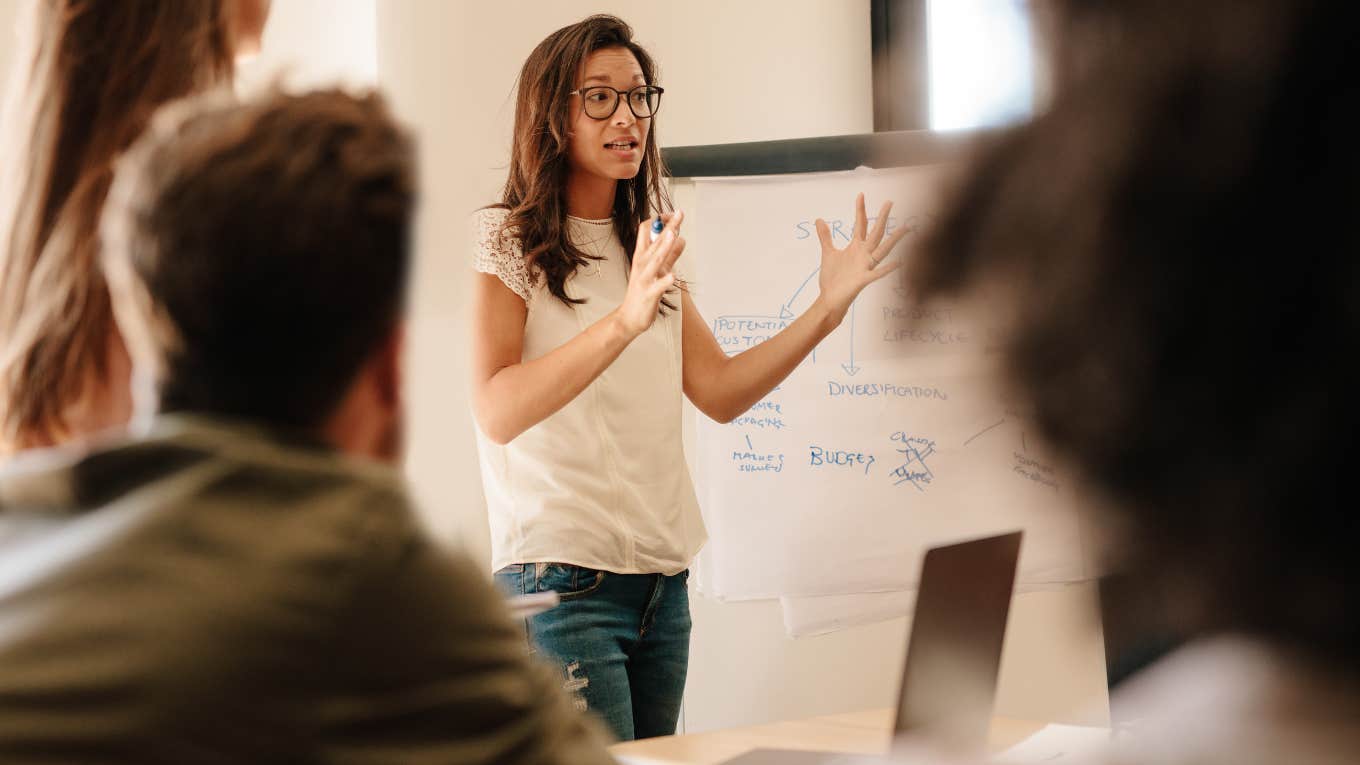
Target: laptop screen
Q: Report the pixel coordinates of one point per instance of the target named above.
(954, 653)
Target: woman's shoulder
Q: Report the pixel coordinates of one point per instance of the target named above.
(491, 237)
(496, 250)
(489, 224)
(491, 214)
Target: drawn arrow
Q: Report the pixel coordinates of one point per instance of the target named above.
(850, 368)
(784, 312)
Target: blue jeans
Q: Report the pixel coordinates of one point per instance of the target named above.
(621, 641)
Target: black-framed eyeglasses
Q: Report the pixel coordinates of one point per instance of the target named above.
(601, 101)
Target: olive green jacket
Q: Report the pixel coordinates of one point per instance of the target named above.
(215, 593)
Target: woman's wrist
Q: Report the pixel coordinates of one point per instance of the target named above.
(618, 328)
(826, 317)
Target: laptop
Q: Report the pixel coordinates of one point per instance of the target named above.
(953, 655)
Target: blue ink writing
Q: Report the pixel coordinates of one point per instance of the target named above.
(924, 336)
(887, 390)
(1032, 469)
(918, 313)
(819, 457)
(737, 333)
(914, 469)
(841, 229)
(774, 423)
(756, 462)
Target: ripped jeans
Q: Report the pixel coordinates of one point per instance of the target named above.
(621, 641)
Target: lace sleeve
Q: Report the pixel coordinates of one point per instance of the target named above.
(499, 255)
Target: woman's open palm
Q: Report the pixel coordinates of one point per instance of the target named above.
(847, 270)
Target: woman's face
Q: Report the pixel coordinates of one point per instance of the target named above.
(609, 148)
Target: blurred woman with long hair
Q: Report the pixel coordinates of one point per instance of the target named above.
(88, 76)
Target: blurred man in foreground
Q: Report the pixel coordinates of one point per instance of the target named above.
(242, 578)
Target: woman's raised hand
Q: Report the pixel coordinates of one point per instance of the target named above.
(651, 275)
(847, 271)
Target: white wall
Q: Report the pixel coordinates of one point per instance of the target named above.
(427, 67)
(313, 43)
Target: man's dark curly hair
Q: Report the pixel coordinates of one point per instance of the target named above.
(1173, 242)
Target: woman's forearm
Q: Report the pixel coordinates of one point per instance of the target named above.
(520, 396)
(746, 378)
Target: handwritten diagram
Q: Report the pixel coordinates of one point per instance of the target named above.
(883, 442)
(739, 332)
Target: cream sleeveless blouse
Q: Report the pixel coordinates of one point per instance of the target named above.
(603, 482)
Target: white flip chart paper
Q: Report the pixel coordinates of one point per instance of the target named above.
(889, 439)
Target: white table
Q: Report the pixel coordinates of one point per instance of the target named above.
(868, 732)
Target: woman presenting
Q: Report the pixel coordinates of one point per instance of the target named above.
(583, 341)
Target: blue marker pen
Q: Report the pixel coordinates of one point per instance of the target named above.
(657, 226)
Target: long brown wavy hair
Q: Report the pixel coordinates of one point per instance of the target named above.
(536, 190)
(87, 82)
